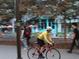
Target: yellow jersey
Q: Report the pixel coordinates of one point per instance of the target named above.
(46, 37)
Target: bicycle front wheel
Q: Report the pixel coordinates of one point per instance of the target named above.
(53, 54)
(32, 54)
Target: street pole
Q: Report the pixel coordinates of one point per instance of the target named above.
(18, 30)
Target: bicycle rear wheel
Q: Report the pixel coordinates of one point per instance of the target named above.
(53, 54)
(32, 54)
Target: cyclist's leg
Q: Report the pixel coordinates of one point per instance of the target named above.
(41, 49)
(39, 45)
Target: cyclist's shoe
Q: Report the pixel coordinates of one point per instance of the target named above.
(69, 51)
(33, 54)
(41, 56)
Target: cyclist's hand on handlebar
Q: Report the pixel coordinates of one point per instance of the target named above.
(53, 44)
(50, 43)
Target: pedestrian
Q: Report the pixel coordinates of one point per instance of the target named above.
(22, 37)
(27, 34)
(75, 36)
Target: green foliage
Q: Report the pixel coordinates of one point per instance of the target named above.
(5, 6)
(60, 34)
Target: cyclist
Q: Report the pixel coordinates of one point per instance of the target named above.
(44, 38)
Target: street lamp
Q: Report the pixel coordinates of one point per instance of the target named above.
(18, 30)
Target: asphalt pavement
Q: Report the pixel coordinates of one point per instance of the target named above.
(10, 52)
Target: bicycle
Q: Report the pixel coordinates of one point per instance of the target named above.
(52, 53)
(49, 52)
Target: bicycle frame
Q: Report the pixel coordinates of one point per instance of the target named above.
(47, 48)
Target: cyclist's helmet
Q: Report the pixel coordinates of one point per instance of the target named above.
(49, 28)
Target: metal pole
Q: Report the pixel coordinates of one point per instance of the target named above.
(65, 39)
(18, 31)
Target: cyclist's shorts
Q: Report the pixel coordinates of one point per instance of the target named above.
(40, 42)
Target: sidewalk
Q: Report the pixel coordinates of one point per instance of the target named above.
(9, 52)
(10, 39)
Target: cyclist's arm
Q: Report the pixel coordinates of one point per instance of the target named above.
(50, 39)
(45, 38)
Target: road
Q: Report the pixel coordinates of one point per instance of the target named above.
(9, 52)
